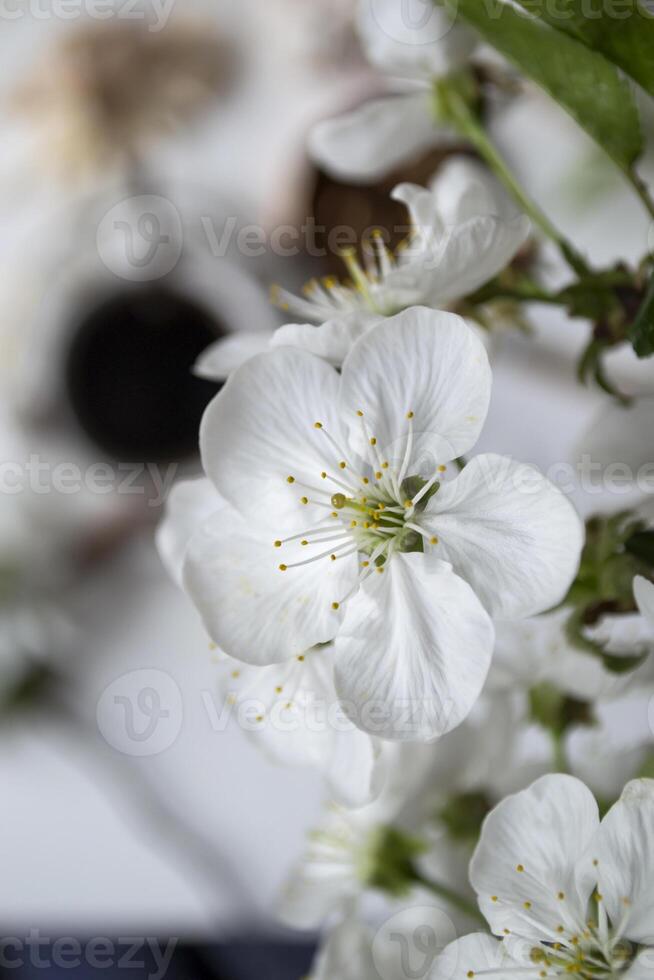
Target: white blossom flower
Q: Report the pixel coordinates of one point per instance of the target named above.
(294, 714)
(463, 233)
(339, 527)
(420, 780)
(568, 894)
(412, 50)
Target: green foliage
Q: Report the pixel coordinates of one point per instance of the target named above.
(622, 30)
(642, 331)
(387, 861)
(582, 81)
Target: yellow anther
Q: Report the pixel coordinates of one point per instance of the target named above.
(520, 868)
(384, 466)
(304, 543)
(560, 929)
(360, 414)
(342, 465)
(278, 544)
(493, 898)
(317, 425)
(470, 974)
(365, 480)
(410, 415)
(365, 564)
(259, 718)
(378, 475)
(283, 568)
(333, 557)
(236, 674)
(373, 441)
(333, 513)
(290, 479)
(301, 658)
(527, 905)
(323, 475)
(339, 501)
(336, 605)
(380, 571)
(304, 500)
(433, 540)
(442, 469)
(353, 523)
(507, 932)
(408, 504)
(278, 690)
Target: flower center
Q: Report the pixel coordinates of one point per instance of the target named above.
(372, 507)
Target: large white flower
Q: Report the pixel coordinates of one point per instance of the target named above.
(463, 233)
(339, 527)
(410, 42)
(568, 894)
(290, 710)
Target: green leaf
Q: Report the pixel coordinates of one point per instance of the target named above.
(621, 30)
(582, 81)
(641, 333)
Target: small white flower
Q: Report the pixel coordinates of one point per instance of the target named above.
(568, 894)
(339, 528)
(464, 232)
(412, 50)
(293, 712)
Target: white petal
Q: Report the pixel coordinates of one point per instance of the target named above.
(260, 430)
(542, 830)
(189, 504)
(412, 40)
(464, 188)
(371, 141)
(642, 967)
(476, 953)
(425, 362)
(644, 593)
(509, 532)
(424, 210)
(219, 360)
(252, 610)
(413, 651)
(332, 341)
(624, 850)
(346, 954)
(298, 722)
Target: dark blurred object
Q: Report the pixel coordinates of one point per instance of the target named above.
(231, 961)
(128, 373)
(364, 208)
(106, 89)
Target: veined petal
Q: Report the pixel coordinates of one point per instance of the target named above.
(219, 360)
(189, 504)
(475, 954)
(509, 532)
(464, 188)
(644, 593)
(473, 253)
(299, 722)
(423, 374)
(332, 341)
(371, 141)
(413, 41)
(413, 652)
(523, 869)
(259, 431)
(624, 851)
(251, 609)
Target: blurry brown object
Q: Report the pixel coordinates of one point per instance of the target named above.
(101, 93)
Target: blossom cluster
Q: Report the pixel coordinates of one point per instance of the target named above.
(346, 548)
